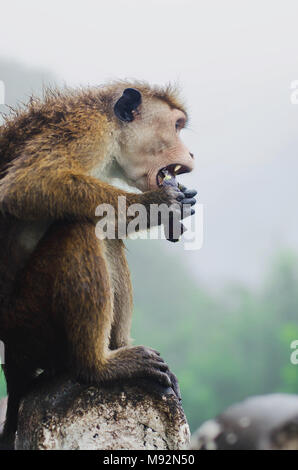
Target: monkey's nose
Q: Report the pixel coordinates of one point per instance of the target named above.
(191, 154)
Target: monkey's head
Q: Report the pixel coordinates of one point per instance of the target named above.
(149, 126)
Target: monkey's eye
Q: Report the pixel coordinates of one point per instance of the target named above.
(179, 124)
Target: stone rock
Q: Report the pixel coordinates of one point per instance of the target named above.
(63, 414)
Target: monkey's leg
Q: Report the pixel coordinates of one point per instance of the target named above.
(83, 301)
(122, 293)
(123, 305)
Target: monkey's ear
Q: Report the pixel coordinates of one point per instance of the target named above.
(128, 102)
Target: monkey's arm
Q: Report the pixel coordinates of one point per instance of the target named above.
(49, 192)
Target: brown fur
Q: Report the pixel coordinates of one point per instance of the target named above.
(65, 296)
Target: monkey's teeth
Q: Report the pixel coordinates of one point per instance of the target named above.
(177, 168)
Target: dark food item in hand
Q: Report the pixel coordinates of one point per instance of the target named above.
(167, 176)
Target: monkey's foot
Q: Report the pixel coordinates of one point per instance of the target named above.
(128, 364)
(156, 372)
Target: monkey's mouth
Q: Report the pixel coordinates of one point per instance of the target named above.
(168, 174)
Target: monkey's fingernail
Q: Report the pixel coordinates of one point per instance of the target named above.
(190, 193)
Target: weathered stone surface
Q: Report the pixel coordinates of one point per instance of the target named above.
(66, 415)
(258, 423)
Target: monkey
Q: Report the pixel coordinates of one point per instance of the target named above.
(66, 296)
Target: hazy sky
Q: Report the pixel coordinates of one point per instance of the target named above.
(235, 61)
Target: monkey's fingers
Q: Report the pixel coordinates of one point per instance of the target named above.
(153, 351)
(175, 385)
(160, 365)
(159, 376)
(188, 201)
(189, 193)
